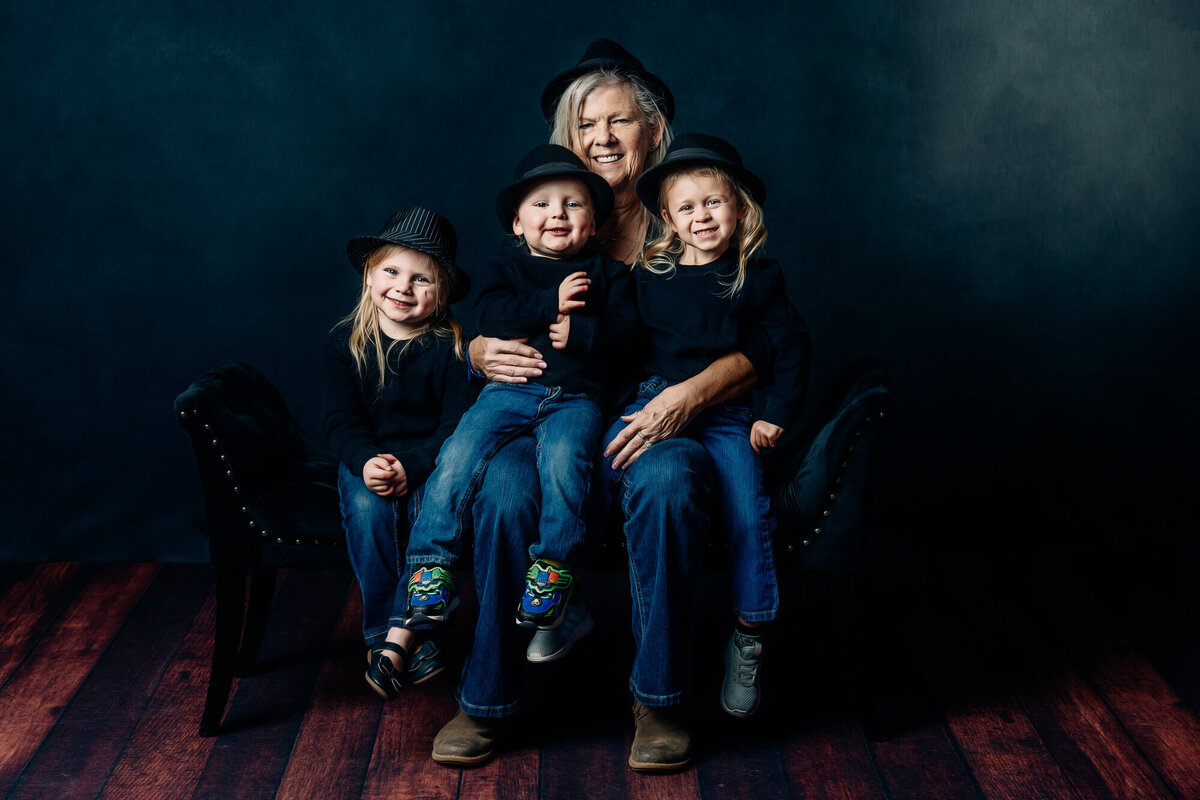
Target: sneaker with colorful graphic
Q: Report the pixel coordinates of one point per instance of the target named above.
(548, 590)
(431, 598)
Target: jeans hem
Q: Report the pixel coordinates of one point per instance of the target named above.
(655, 700)
(757, 616)
(493, 712)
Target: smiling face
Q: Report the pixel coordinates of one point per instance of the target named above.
(403, 288)
(613, 138)
(704, 211)
(555, 217)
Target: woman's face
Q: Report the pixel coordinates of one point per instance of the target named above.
(612, 138)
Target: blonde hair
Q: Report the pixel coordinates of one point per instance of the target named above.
(366, 337)
(662, 254)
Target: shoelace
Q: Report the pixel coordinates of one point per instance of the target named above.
(747, 670)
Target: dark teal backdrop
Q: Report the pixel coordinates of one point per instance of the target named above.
(999, 198)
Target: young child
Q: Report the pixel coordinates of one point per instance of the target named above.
(703, 293)
(565, 301)
(394, 389)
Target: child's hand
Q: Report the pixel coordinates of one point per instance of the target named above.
(764, 435)
(378, 475)
(385, 476)
(574, 284)
(560, 331)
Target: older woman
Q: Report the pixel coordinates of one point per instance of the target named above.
(615, 115)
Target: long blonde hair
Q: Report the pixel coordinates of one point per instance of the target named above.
(661, 255)
(366, 337)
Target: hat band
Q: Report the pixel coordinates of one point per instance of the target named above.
(699, 153)
(554, 168)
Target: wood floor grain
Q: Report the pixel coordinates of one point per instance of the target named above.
(1054, 680)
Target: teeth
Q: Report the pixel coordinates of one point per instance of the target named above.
(607, 159)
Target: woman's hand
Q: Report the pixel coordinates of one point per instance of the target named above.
(662, 418)
(560, 331)
(764, 435)
(505, 360)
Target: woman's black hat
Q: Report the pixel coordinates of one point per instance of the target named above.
(545, 162)
(697, 150)
(607, 54)
(418, 229)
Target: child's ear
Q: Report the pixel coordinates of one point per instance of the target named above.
(743, 209)
(517, 226)
(666, 215)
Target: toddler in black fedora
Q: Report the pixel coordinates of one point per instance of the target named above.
(394, 390)
(568, 302)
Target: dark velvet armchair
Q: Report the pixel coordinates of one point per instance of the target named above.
(270, 494)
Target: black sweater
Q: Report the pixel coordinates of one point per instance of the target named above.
(690, 325)
(519, 297)
(424, 394)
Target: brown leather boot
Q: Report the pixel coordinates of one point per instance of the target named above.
(661, 742)
(468, 741)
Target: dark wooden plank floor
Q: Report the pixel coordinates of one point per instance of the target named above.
(1049, 679)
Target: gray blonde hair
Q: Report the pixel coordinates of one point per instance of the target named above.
(564, 125)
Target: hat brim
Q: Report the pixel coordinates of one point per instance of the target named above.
(360, 248)
(649, 185)
(510, 196)
(559, 84)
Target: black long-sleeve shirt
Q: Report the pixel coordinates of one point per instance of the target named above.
(690, 324)
(518, 297)
(424, 394)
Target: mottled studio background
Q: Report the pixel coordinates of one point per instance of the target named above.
(999, 198)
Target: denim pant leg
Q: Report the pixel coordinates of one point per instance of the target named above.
(505, 514)
(743, 508)
(664, 498)
(373, 543)
(567, 438)
(501, 412)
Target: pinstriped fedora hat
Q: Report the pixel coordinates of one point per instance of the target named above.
(422, 230)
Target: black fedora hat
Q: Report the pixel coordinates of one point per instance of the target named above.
(418, 229)
(545, 162)
(607, 54)
(697, 150)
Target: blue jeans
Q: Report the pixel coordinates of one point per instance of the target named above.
(742, 503)
(566, 428)
(665, 500)
(376, 528)
(505, 513)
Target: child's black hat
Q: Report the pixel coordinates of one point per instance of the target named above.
(546, 162)
(418, 229)
(697, 150)
(607, 54)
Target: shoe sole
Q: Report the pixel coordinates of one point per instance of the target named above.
(737, 712)
(464, 761)
(379, 690)
(584, 629)
(419, 621)
(431, 674)
(654, 766)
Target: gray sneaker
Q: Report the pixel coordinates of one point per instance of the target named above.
(743, 660)
(555, 643)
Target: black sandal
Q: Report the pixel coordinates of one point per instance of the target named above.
(386, 680)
